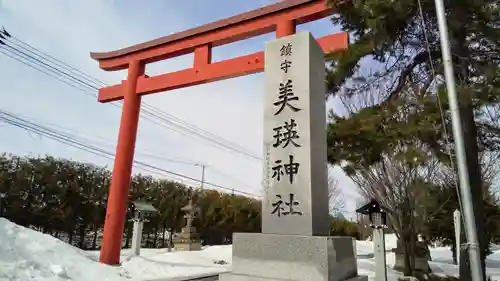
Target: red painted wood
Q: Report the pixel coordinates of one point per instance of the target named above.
(217, 71)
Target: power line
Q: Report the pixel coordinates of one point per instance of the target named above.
(3, 51)
(103, 154)
(68, 139)
(139, 153)
(106, 142)
(39, 53)
(14, 55)
(27, 54)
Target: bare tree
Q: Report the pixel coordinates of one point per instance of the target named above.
(490, 169)
(398, 185)
(335, 195)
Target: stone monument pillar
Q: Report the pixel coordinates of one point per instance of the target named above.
(188, 239)
(294, 243)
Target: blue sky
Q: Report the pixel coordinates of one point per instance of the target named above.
(69, 30)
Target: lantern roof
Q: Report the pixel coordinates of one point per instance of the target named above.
(371, 207)
(144, 207)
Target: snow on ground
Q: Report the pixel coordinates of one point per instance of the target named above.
(159, 263)
(29, 255)
(441, 264)
(26, 254)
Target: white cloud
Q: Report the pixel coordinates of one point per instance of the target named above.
(69, 30)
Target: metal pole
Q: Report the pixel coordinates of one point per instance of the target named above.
(468, 211)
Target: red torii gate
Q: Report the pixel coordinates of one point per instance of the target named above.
(281, 18)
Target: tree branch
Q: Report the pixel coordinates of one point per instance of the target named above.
(405, 73)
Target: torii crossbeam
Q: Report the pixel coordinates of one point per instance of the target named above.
(281, 18)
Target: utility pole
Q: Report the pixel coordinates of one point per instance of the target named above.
(466, 196)
(203, 166)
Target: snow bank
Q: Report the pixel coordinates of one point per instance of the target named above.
(26, 254)
(29, 255)
(441, 264)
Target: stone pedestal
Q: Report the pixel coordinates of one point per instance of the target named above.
(233, 277)
(293, 244)
(187, 240)
(258, 256)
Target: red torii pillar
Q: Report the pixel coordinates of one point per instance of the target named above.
(281, 18)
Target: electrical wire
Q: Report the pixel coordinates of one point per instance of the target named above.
(12, 55)
(139, 153)
(106, 142)
(32, 57)
(16, 49)
(68, 139)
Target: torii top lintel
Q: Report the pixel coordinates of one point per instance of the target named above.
(201, 39)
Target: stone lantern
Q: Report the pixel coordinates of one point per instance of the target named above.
(378, 221)
(141, 209)
(188, 239)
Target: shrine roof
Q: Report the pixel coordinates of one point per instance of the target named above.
(144, 206)
(267, 10)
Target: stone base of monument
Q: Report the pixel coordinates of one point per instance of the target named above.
(268, 257)
(187, 240)
(193, 246)
(238, 277)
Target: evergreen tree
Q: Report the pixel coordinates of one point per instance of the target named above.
(67, 199)
(403, 43)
